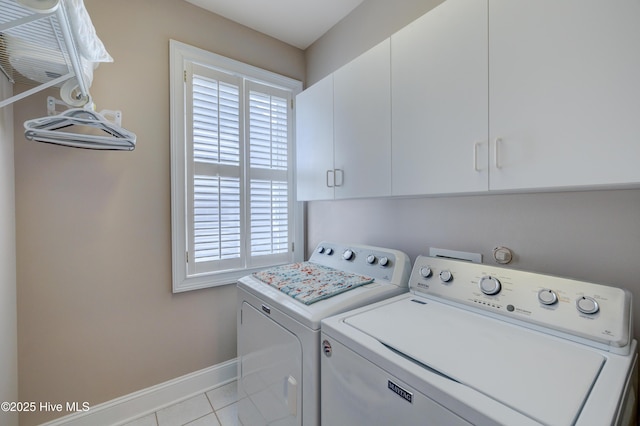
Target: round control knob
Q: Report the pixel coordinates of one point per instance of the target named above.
(384, 261)
(446, 276)
(547, 296)
(426, 272)
(489, 285)
(371, 259)
(329, 251)
(320, 249)
(587, 305)
(348, 254)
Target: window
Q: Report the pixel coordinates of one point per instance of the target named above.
(231, 169)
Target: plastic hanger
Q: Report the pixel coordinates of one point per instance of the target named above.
(41, 6)
(83, 128)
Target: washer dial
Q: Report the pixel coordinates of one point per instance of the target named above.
(587, 305)
(547, 296)
(489, 285)
(384, 261)
(371, 259)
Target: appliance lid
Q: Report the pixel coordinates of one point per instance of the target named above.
(311, 315)
(537, 375)
(309, 282)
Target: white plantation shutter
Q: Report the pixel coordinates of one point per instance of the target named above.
(270, 195)
(268, 130)
(269, 217)
(216, 120)
(214, 207)
(232, 180)
(216, 214)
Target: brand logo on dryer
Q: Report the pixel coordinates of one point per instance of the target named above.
(398, 390)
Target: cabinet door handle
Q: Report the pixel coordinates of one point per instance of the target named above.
(330, 185)
(496, 153)
(341, 177)
(475, 156)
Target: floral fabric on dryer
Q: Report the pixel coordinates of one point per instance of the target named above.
(310, 282)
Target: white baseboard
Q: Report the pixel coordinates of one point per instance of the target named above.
(129, 407)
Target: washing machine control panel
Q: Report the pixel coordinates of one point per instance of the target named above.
(382, 264)
(562, 306)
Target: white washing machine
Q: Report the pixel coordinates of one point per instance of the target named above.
(472, 344)
(279, 325)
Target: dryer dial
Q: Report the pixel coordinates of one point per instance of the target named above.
(348, 254)
(426, 272)
(446, 276)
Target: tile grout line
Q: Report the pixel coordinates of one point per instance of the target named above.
(215, 412)
(211, 406)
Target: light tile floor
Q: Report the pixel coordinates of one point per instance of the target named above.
(217, 407)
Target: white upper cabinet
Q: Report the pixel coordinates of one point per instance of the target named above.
(564, 93)
(362, 125)
(439, 101)
(344, 131)
(478, 96)
(314, 141)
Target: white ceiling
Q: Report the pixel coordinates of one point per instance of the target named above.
(296, 22)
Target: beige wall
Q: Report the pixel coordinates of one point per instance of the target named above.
(8, 318)
(96, 315)
(368, 24)
(590, 235)
(97, 319)
(593, 236)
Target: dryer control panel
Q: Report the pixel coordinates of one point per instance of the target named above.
(585, 312)
(384, 264)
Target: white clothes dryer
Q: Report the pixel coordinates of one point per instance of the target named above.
(279, 312)
(473, 344)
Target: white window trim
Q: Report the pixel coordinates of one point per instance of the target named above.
(180, 54)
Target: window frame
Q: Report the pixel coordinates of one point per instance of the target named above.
(181, 56)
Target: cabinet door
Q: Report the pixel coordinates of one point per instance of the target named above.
(314, 141)
(439, 101)
(362, 117)
(564, 93)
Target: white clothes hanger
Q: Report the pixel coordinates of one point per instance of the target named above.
(42, 6)
(83, 128)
